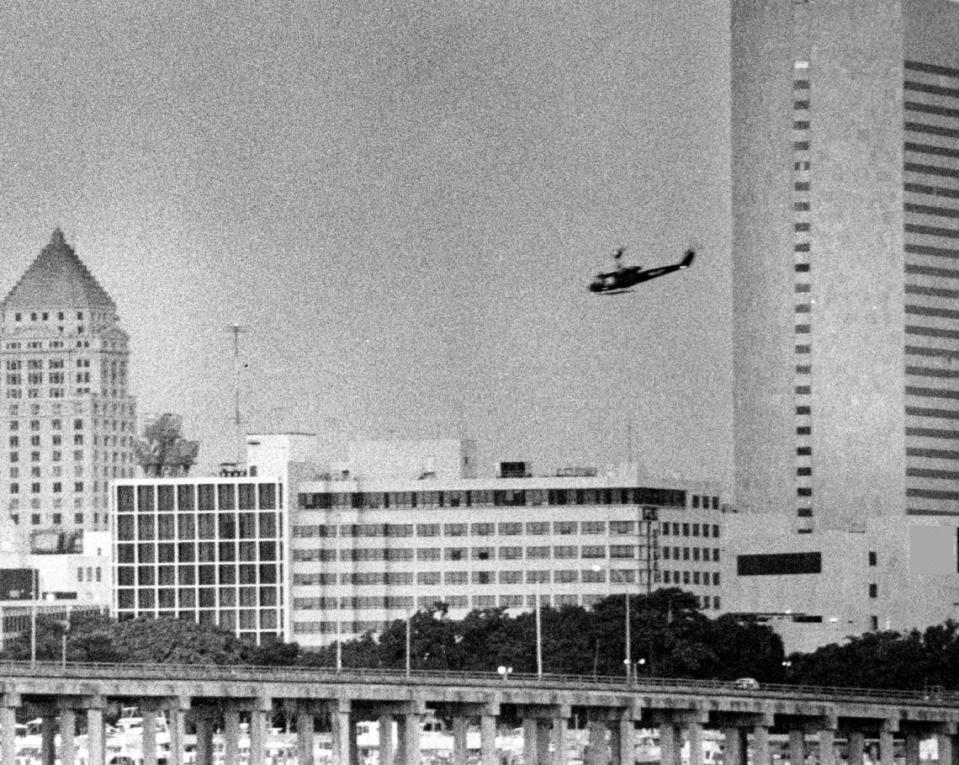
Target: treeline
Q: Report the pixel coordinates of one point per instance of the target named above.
(669, 637)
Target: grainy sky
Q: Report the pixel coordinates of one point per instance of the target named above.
(402, 204)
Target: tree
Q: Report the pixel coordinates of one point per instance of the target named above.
(162, 451)
(176, 641)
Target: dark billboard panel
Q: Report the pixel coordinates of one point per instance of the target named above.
(17, 583)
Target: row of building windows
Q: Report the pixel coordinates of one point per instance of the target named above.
(532, 528)
(557, 552)
(149, 498)
(56, 519)
(266, 618)
(56, 487)
(56, 408)
(244, 573)
(499, 498)
(93, 574)
(44, 316)
(183, 526)
(801, 248)
(204, 552)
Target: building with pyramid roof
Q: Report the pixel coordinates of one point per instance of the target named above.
(66, 418)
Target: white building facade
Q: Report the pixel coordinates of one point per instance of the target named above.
(366, 552)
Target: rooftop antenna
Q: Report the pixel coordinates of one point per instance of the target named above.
(236, 330)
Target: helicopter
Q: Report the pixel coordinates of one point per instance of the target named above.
(619, 281)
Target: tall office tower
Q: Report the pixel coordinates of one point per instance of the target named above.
(845, 161)
(66, 420)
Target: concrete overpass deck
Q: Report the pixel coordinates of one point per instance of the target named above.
(201, 696)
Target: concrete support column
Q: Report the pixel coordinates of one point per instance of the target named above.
(827, 747)
(670, 744)
(695, 732)
(542, 741)
(68, 730)
(733, 750)
(559, 740)
(912, 748)
(258, 729)
(409, 735)
(48, 746)
(231, 735)
(386, 740)
(96, 752)
(488, 740)
(856, 742)
(529, 741)
(886, 747)
(304, 736)
(8, 734)
(621, 743)
(148, 735)
(354, 744)
(460, 724)
(761, 745)
(945, 749)
(797, 747)
(204, 740)
(340, 729)
(596, 748)
(176, 723)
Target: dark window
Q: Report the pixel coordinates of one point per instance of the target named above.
(186, 526)
(267, 524)
(124, 528)
(165, 498)
(145, 527)
(185, 497)
(227, 526)
(873, 590)
(247, 526)
(166, 526)
(247, 497)
(207, 526)
(872, 557)
(125, 499)
(777, 564)
(267, 496)
(227, 496)
(145, 498)
(206, 493)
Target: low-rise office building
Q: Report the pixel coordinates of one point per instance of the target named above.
(290, 551)
(367, 550)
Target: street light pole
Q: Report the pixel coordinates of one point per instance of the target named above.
(336, 589)
(539, 630)
(629, 651)
(33, 631)
(66, 629)
(409, 618)
(626, 622)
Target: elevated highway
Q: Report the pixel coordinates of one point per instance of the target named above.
(199, 697)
